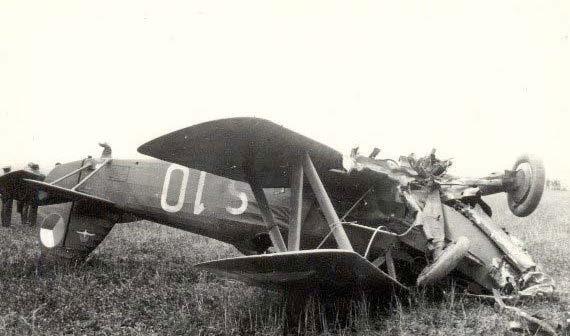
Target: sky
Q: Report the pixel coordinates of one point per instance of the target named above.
(481, 81)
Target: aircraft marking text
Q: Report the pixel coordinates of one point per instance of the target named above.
(199, 206)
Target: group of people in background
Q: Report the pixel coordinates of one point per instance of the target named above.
(27, 211)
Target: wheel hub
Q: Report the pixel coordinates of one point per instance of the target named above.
(523, 177)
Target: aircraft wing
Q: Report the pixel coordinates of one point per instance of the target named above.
(308, 268)
(25, 185)
(13, 184)
(229, 147)
(51, 194)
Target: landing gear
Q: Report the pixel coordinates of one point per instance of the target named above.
(445, 262)
(445, 256)
(527, 187)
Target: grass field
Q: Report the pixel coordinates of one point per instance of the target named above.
(141, 281)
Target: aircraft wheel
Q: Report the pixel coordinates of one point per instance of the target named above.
(7, 205)
(525, 194)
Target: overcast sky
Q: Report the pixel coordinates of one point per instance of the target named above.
(482, 81)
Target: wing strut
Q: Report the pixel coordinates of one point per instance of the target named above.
(326, 204)
(267, 215)
(266, 155)
(296, 206)
(304, 164)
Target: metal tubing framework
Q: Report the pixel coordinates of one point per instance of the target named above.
(71, 174)
(101, 165)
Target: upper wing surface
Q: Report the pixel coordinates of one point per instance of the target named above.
(232, 147)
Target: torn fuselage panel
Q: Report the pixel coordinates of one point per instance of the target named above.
(494, 259)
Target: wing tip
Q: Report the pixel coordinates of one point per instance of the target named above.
(67, 194)
(148, 147)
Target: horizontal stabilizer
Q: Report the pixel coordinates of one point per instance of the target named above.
(330, 268)
(229, 147)
(51, 194)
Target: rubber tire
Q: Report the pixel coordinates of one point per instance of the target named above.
(532, 199)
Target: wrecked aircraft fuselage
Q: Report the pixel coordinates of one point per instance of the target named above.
(376, 224)
(452, 223)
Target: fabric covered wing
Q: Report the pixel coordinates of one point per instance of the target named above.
(309, 268)
(230, 147)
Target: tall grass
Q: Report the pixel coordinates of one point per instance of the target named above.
(141, 280)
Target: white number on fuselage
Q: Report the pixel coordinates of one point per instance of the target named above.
(182, 192)
(198, 205)
(243, 198)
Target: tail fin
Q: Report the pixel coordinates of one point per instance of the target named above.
(71, 231)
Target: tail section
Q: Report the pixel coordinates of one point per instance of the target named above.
(70, 231)
(74, 223)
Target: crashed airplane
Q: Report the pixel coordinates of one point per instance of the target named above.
(301, 218)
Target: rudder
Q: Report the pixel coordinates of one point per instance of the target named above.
(71, 231)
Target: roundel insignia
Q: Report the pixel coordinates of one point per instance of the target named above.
(52, 230)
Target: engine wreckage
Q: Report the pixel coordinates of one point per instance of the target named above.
(482, 251)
